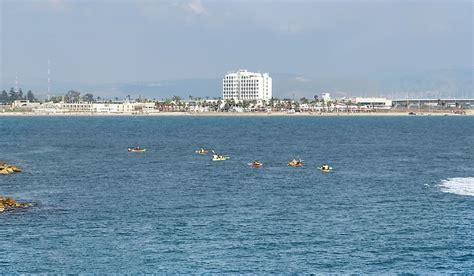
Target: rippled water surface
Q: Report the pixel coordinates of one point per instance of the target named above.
(400, 198)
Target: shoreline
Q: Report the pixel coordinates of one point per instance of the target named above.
(232, 114)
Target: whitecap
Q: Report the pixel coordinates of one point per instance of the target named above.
(458, 185)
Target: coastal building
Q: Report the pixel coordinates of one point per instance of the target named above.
(326, 97)
(99, 107)
(434, 103)
(76, 107)
(376, 103)
(123, 107)
(48, 107)
(118, 107)
(24, 104)
(245, 85)
(147, 107)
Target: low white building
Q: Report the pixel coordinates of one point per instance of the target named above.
(105, 107)
(245, 85)
(146, 107)
(376, 103)
(24, 104)
(76, 107)
(48, 107)
(123, 107)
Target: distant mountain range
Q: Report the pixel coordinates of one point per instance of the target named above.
(433, 84)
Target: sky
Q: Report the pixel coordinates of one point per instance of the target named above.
(100, 42)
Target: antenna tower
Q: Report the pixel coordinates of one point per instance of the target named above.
(16, 83)
(49, 77)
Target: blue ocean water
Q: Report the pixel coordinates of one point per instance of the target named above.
(400, 199)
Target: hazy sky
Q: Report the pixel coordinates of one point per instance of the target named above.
(98, 42)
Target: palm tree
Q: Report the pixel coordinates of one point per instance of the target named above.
(176, 99)
(328, 104)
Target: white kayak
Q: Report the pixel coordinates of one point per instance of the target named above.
(220, 158)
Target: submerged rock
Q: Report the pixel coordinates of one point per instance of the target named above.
(7, 203)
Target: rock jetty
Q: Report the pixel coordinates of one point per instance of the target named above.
(8, 203)
(6, 168)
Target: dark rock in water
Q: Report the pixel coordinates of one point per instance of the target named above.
(8, 203)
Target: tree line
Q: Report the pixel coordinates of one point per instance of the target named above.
(70, 97)
(74, 96)
(14, 95)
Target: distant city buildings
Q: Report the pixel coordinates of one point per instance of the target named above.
(198, 105)
(243, 92)
(245, 85)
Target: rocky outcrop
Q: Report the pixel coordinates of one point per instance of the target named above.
(8, 203)
(6, 168)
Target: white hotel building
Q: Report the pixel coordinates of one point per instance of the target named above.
(245, 85)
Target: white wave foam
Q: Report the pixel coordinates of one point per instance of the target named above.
(458, 185)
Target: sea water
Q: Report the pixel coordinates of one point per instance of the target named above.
(400, 197)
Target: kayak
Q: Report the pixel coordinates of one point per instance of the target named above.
(221, 159)
(202, 152)
(325, 171)
(217, 158)
(136, 150)
(255, 165)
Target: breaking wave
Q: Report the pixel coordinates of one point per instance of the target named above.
(458, 185)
